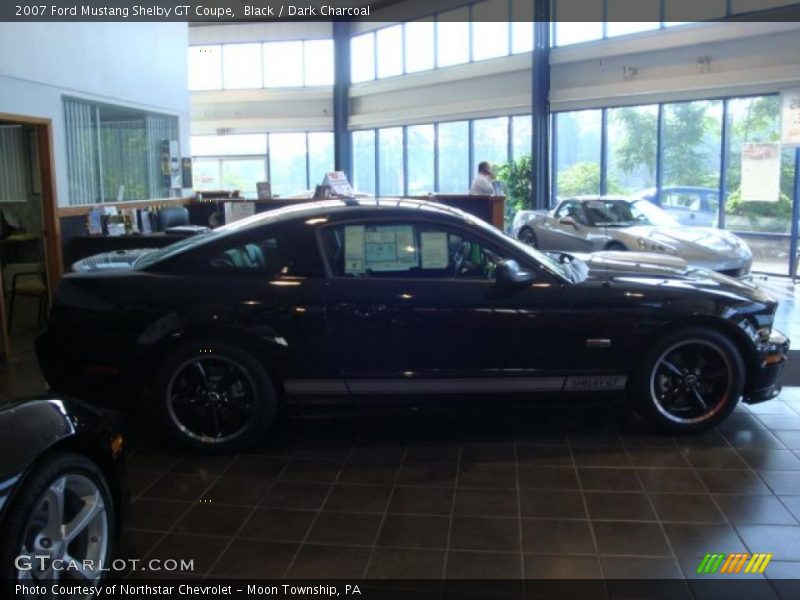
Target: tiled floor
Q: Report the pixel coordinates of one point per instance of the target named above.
(478, 492)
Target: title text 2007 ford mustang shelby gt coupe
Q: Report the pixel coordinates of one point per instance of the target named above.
(366, 299)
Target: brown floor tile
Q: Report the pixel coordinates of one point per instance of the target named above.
(432, 453)
(617, 537)
(358, 498)
(158, 460)
(483, 565)
(754, 510)
(487, 475)
(255, 559)
(150, 513)
(782, 482)
(783, 541)
(543, 455)
(421, 500)
(609, 479)
(714, 458)
(329, 562)
(562, 567)
(552, 504)
(771, 460)
(278, 524)
(556, 536)
(209, 466)
(428, 474)
(257, 466)
(493, 534)
(487, 453)
(686, 508)
(671, 481)
(397, 563)
(696, 540)
(179, 486)
(344, 528)
(289, 494)
(548, 478)
(488, 503)
(139, 481)
(647, 456)
(756, 439)
(136, 544)
(238, 488)
(732, 481)
(311, 471)
(368, 473)
(601, 456)
(203, 550)
(213, 519)
(377, 453)
(404, 531)
(617, 506)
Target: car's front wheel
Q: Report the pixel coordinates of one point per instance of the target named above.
(526, 236)
(214, 397)
(689, 381)
(60, 527)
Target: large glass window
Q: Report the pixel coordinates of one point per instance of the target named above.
(390, 161)
(205, 174)
(577, 153)
(287, 162)
(364, 161)
(389, 42)
(490, 29)
(242, 174)
(205, 68)
(632, 140)
(241, 66)
(452, 37)
(283, 64)
(454, 157)
(490, 141)
(226, 145)
(521, 131)
(318, 59)
(692, 156)
(419, 45)
(420, 149)
(521, 26)
(362, 58)
(568, 31)
(625, 17)
(320, 156)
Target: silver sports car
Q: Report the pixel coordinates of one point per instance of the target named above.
(588, 224)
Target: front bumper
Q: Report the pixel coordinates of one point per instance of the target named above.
(772, 358)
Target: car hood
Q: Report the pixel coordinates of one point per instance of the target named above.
(660, 269)
(119, 260)
(696, 239)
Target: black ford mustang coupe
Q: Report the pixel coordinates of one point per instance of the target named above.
(368, 299)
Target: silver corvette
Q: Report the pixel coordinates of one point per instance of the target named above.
(589, 224)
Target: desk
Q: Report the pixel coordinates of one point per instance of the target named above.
(489, 208)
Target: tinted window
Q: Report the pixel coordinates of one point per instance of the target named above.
(412, 250)
(572, 209)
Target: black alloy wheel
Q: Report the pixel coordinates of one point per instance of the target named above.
(526, 236)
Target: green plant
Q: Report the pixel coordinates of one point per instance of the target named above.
(753, 210)
(516, 175)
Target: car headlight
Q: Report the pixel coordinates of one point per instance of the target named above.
(650, 246)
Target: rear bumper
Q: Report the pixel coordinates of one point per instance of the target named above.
(772, 358)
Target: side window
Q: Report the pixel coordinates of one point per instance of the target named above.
(407, 250)
(574, 210)
(563, 210)
(281, 252)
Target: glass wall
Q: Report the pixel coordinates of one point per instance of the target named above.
(420, 142)
(673, 155)
(454, 168)
(291, 162)
(363, 147)
(256, 65)
(390, 161)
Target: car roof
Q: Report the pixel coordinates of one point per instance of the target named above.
(604, 198)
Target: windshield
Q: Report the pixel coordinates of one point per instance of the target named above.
(623, 213)
(159, 254)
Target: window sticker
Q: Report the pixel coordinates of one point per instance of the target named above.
(354, 249)
(433, 248)
(390, 248)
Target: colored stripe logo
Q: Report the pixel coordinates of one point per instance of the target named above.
(733, 563)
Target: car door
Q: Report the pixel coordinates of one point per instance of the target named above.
(413, 308)
(566, 229)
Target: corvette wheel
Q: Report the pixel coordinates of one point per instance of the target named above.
(215, 397)
(526, 236)
(61, 524)
(694, 379)
(616, 247)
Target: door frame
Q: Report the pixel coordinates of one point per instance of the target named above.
(51, 229)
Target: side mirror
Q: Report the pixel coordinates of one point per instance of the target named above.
(508, 275)
(568, 221)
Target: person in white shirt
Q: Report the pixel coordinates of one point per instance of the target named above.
(482, 184)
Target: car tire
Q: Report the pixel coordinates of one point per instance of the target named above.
(689, 380)
(616, 247)
(526, 236)
(214, 397)
(79, 485)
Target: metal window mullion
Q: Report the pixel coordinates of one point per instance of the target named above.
(510, 139)
(99, 154)
(605, 19)
(603, 152)
(268, 158)
(405, 159)
(436, 157)
(470, 33)
(471, 149)
(376, 136)
(723, 166)
(659, 152)
(308, 163)
(554, 152)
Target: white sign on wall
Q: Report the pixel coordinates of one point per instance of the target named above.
(790, 117)
(761, 171)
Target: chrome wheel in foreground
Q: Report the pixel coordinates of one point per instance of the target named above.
(211, 400)
(67, 534)
(691, 381)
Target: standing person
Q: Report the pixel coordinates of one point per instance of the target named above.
(482, 184)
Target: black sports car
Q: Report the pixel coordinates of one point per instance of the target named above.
(61, 493)
(367, 299)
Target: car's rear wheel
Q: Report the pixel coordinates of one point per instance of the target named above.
(616, 247)
(526, 236)
(690, 380)
(60, 527)
(214, 397)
